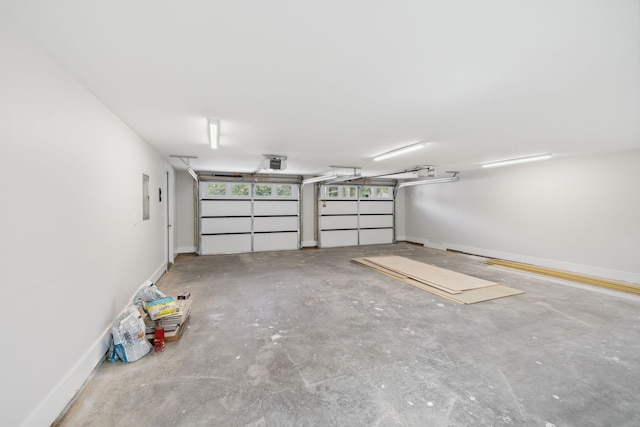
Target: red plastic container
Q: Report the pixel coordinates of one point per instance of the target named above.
(158, 339)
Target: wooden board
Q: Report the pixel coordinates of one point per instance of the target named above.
(177, 334)
(580, 278)
(429, 274)
(398, 275)
(363, 261)
(471, 296)
(464, 297)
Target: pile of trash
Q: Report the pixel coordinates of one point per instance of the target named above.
(153, 319)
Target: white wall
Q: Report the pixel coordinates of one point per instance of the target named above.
(184, 224)
(74, 248)
(579, 214)
(309, 215)
(400, 215)
(169, 201)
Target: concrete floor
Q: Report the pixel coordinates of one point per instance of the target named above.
(307, 338)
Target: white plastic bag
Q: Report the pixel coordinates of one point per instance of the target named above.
(149, 292)
(129, 342)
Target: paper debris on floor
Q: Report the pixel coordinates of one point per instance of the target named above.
(173, 324)
(128, 340)
(454, 286)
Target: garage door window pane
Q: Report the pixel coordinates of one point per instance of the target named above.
(382, 192)
(331, 191)
(216, 189)
(349, 192)
(365, 192)
(284, 190)
(263, 190)
(240, 189)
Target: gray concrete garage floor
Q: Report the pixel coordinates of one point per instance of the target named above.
(307, 338)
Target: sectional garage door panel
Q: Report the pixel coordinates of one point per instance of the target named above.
(225, 243)
(225, 225)
(376, 236)
(278, 223)
(376, 221)
(240, 216)
(275, 241)
(275, 207)
(334, 238)
(350, 215)
(225, 208)
(338, 207)
(371, 207)
(339, 222)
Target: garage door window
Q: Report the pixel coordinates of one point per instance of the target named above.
(216, 189)
(263, 190)
(331, 191)
(240, 189)
(382, 192)
(349, 192)
(284, 190)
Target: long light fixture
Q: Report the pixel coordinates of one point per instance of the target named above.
(214, 133)
(319, 179)
(399, 151)
(517, 160)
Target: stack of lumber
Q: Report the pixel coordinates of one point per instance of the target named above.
(448, 284)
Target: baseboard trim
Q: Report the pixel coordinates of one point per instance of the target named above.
(186, 250)
(425, 243)
(625, 276)
(437, 246)
(155, 277)
(55, 404)
(413, 239)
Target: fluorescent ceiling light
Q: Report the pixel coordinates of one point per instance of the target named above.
(319, 179)
(214, 133)
(516, 161)
(399, 151)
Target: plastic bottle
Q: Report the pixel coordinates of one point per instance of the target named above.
(158, 338)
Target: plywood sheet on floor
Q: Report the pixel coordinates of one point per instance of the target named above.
(470, 296)
(430, 274)
(398, 275)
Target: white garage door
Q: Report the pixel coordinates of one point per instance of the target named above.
(351, 215)
(248, 217)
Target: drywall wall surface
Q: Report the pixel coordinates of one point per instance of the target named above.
(169, 198)
(580, 214)
(308, 215)
(185, 215)
(74, 246)
(400, 215)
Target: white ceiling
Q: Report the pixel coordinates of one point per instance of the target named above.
(337, 82)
